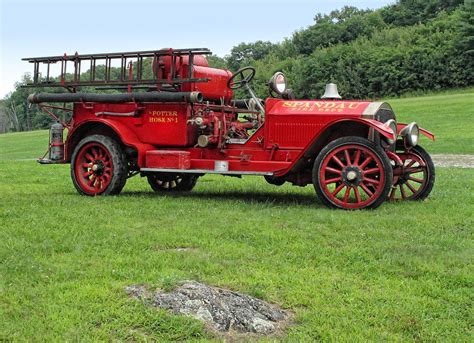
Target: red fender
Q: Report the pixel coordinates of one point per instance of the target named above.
(383, 129)
(427, 133)
(127, 136)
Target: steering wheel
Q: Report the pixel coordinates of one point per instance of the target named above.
(245, 78)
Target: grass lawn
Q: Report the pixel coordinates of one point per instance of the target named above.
(402, 272)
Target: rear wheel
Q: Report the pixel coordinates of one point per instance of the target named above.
(98, 166)
(277, 181)
(415, 178)
(167, 182)
(352, 173)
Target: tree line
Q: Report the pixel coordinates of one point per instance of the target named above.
(412, 45)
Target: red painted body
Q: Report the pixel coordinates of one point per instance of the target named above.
(289, 130)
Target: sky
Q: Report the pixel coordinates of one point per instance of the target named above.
(32, 28)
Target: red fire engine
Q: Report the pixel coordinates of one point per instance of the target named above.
(168, 116)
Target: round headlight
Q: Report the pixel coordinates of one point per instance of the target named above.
(278, 83)
(410, 134)
(392, 124)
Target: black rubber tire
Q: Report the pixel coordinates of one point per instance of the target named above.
(430, 169)
(387, 168)
(277, 181)
(161, 182)
(119, 162)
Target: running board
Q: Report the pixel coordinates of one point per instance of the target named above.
(203, 171)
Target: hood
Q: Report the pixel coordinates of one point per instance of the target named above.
(365, 109)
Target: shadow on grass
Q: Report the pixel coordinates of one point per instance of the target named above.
(249, 197)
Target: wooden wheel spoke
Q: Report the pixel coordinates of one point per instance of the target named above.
(371, 171)
(415, 179)
(366, 189)
(403, 192)
(372, 181)
(338, 161)
(411, 163)
(357, 157)
(328, 181)
(338, 189)
(94, 153)
(411, 187)
(347, 157)
(335, 171)
(414, 170)
(357, 194)
(347, 194)
(89, 157)
(91, 181)
(392, 193)
(366, 162)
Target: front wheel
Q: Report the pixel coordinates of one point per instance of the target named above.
(168, 182)
(352, 173)
(414, 179)
(98, 166)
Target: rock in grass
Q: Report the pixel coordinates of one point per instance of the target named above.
(223, 310)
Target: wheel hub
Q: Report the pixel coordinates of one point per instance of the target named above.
(351, 176)
(98, 168)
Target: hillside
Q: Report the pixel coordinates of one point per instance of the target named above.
(448, 115)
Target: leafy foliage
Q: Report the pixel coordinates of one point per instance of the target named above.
(246, 52)
(394, 61)
(340, 26)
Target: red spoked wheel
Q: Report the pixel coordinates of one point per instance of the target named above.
(414, 179)
(168, 182)
(352, 173)
(98, 166)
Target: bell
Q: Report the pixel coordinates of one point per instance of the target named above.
(331, 92)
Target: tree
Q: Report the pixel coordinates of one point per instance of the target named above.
(340, 26)
(244, 53)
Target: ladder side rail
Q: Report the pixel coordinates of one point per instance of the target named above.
(151, 83)
(149, 53)
(172, 78)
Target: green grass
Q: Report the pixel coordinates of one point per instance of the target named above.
(449, 115)
(400, 273)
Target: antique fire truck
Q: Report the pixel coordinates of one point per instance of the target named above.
(170, 117)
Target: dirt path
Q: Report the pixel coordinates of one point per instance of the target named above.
(451, 160)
